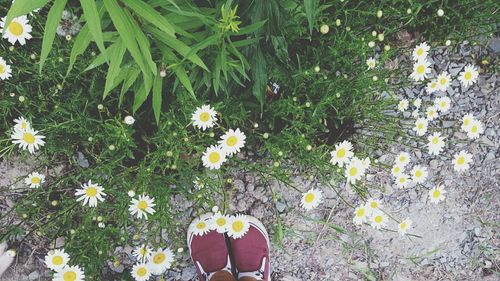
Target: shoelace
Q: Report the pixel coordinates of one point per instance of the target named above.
(208, 275)
(259, 274)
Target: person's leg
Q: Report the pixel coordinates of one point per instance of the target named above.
(208, 250)
(251, 253)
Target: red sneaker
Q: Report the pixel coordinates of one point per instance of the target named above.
(208, 248)
(251, 252)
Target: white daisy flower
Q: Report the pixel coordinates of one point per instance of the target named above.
(34, 180)
(232, 141)
(378, 220)
(238, 226)
(5, 70)
(21, 124)
(469, 75)
(421, 51)
(372, 205)
(431, 113)
(442, 104)
(420, 70)
(371, 63)
(56, 259)
(90, 193)
(419, 174)
(213, 157)
(397, 170)
(414, 113)
(417, 102)
(402, 159)
(354, 170)
(219, 222)
(129, 120)
(142, 207)
(443, 80)
(201, 225)
(342, 154)
(435, 144)
(404, 226)
(366, 163)
(475, 129)
(204, 117)
(360, 215)
(69, 273)
(436, 194)
(421, 126)
(461, 161)
(17, 31)
(311, 199)
(161, 260)
(141, 272)
(403, 105)
(142, 253)
(432, 87)
(28, 139)
(402, 180)
(467, 121)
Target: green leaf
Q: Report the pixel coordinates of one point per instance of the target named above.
(115, 61)
(128, 81)
(21, 8)
(141, 95)
(181, 74)
(94, 22)
(157, 97)
(311, 7)
(143, 42)
(101, 58)
(259, 76)
(149, 14)
(250, 28)
(49, 33)
(246, 42)
(82, 41)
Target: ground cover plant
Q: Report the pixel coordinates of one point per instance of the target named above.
(121, 107)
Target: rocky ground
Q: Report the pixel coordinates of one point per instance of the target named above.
(459, 239)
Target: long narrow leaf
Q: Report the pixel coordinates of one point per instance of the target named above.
(311, 7)
(143, 42)
(141, 95)
(115, 60)
(149, 14)
(53, 18)
(21, 8)
(94, 22)
(157, 97)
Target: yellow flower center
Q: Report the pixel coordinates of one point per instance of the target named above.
(360, 213)
(214, 157)
(57, 260)
(232, 140)
(201, 225)
(142, 205)
(159, 258)
(142, 251)
(141, 272)
(435, 140)
(420, 51)
(443, 104)
(468, 75)
(402, 158)
(396, 169)
(24, 125)
(204, 117)
(91, 191)
(403, 225)
(433, 85)
(374, 204)
(461, 160)
(2, 69)
(69, 276)
(420, 69)
(466, 121)
(341, 153)
(443, 81)
(402, 180)
(418, 173)
(353, 171)
(238, 226)
(420, 126)
(436, 193)
(473, 129)
(16, 28)
(309, 197)
(29, 138)
(35, 180)
(220, 221)
(378, 219)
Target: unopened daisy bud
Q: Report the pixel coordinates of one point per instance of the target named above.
(111, 147)
(169, 153)
(68, 37)
(180, 250)
(448, 42)
(440, 12)
(25, 216)
(408, 11)
(308, 104)
(116, 263)
(211, 134)
(12, 94)
(324, 29)
(101, 225)
(280, 153)
(255, 125)
(173, 167)
(100, 106)
(186, 139)
(11, 253)
(129, 120)
(93, 54)
(131, 193)
(99, 218)
(381, 37)
(348, 28)
(229, 181)
(90, 139)
(309, 147)
(276, 164)
(215, 209)
(379, 13)
(59, 86)
(54, 203)
(294, 99)
(72, 231)
(375, 78)
(136, 237)
(11, 48)
(22, 99)
(265, 135)
(387, 47)
(32, 56)
(163, 73)
(316, 69)
(371, 44)
(374, 33)
(338, 22)
(337, 95)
